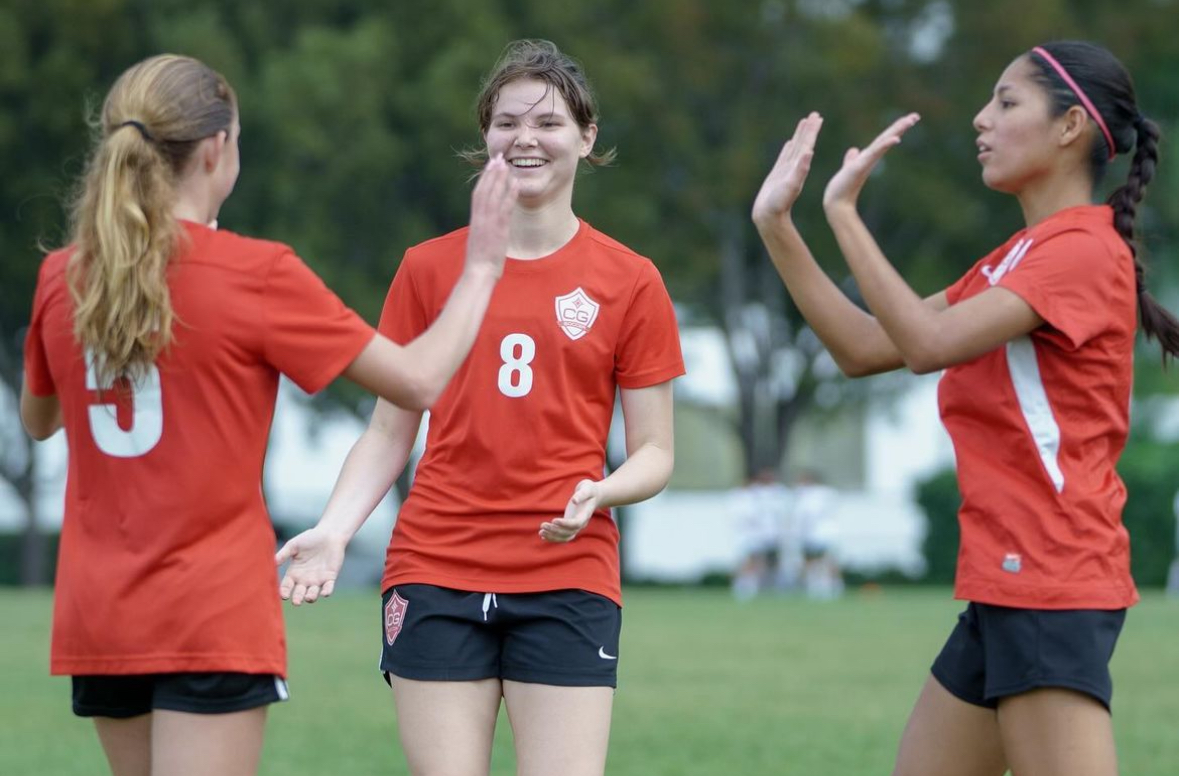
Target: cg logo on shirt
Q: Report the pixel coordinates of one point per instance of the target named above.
(394, 616)
(576, 313)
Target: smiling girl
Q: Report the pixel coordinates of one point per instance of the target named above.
(502, 576)
(1037, 342)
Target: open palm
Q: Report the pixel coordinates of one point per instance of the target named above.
(844, 188)
(784, 183)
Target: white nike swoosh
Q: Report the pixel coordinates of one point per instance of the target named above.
(602, 654)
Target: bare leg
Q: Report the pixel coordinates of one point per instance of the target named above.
(1054, 732)
(563, 730)
(947, 736)
(184, 744)
(127, 744)
(447, 728)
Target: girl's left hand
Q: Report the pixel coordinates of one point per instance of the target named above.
(844, 188)
(577, 515)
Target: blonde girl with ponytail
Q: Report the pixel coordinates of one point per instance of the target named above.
(157, 341)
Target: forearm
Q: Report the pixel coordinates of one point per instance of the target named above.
(907, 321)
(645, 472)
(853, 337)
(368, 473)
(443, 347)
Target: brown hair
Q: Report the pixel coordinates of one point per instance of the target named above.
(543, 61)
(123, 230)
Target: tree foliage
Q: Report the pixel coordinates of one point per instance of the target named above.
(352, 111)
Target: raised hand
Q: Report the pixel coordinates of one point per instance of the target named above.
(315, 558)
(844, 188)
(577, 515)
(491, 214)
(782, 186)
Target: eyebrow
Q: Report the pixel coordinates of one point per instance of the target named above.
(547, 115)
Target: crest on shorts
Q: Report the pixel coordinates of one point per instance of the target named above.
(1013, 562)
(394, 617)
(576, 313)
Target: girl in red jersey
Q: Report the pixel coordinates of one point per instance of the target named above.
(502, 576)
(157, 343)
(1037, 342)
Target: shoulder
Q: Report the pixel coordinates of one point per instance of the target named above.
(452, 245)
(607, 251)
(608, 246)
(1079, 233)
(236, 250)
(53, 266)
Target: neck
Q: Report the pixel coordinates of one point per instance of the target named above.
(538, 232)
(194, 204)
(1047, 196)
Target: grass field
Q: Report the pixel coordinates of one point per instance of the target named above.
(707, 686)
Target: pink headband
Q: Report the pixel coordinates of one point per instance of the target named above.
(1081, 96)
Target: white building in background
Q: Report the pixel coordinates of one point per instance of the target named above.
(686, 535)
(679, 536)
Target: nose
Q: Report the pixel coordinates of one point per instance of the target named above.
(525, 136)
(980, 119)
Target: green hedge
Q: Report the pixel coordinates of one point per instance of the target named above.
(10, 547)
(1149, 470)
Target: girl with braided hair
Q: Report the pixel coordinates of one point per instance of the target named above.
(1037, 342)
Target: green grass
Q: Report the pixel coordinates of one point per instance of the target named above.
(706, 686)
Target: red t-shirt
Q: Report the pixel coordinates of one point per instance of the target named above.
(1039, 423)
(526, 416)
(166, 560)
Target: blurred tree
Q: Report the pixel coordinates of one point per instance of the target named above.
(352, 111)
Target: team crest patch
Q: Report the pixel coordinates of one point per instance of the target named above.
(394, 617)
(1013, 563)
(576, 313)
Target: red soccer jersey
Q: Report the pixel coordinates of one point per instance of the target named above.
(166, 560)
(1038, 424)
(526, 416)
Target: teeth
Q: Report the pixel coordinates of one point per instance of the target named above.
(527, 162)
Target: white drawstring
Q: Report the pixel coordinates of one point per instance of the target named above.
(488, 602)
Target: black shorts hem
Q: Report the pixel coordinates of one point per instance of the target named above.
(219, 707)
(442, 674)
(108, 711)
(959, 693)
(526, 675)
(1045, 683)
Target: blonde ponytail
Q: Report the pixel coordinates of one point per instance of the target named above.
(124, 233)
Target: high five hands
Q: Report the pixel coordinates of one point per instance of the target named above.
(782, 186)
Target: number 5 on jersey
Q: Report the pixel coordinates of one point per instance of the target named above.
(146, 424)
(515, 376)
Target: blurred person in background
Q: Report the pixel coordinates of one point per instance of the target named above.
(502, 580)
(157, 342)
(760, 515)
(813, 514)
(1037, 344)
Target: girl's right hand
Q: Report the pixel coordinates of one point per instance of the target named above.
(782, 186)
(315, 558)
(491, 214)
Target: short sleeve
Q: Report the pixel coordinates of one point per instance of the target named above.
(37, 375)
(648, 351)
(310, 335)
(956, 289)
(404, 317)
(1069, 279)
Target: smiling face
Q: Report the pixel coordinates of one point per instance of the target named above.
(532, 127)
(1018, 139)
